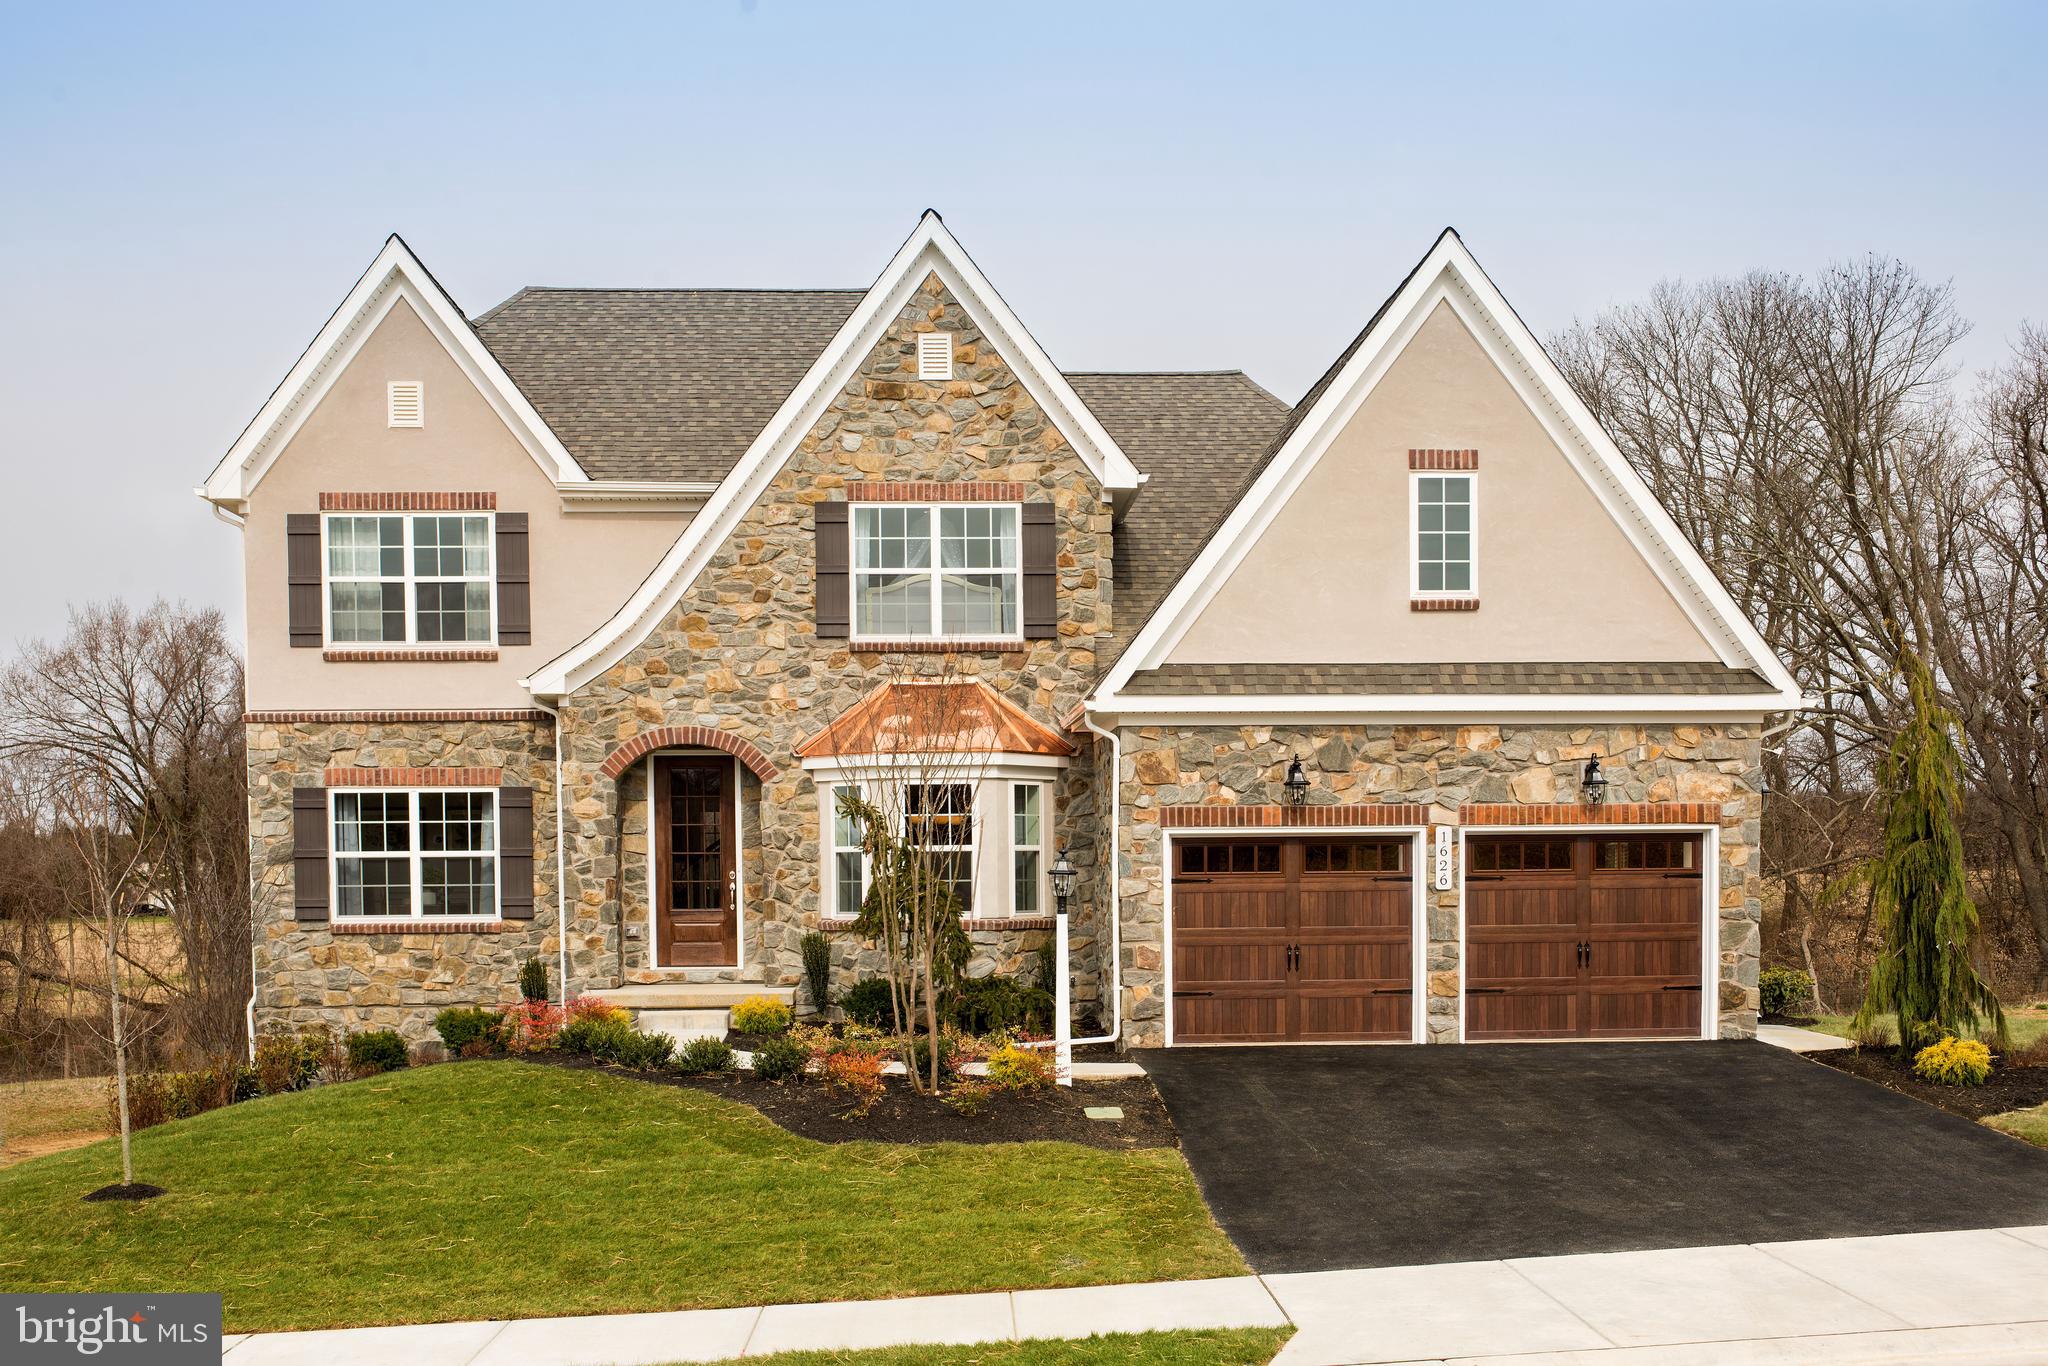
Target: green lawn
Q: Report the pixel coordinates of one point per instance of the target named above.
(1237, 1347)
(505, 1190)
(2024, 1023)
(2032, 1125)
(31, 1109)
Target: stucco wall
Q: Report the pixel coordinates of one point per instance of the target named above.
(1440, 767)
(741, 653)
(1329, 580)
(583, 564)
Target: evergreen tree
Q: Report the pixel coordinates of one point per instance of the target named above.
(1923, 971)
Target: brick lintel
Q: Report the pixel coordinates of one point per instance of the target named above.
(413, 777)
(1292, 817)
(1587, 813)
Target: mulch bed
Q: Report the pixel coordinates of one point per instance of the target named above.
(810, 1110)
(2008, 1088)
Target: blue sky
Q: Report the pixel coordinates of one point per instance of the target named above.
(189, 190)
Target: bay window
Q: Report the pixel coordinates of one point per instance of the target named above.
(988, 840)
(415, 854)
(939, 819)
(936, 571)
(849, 857)
(404, 578)
(1027, 848)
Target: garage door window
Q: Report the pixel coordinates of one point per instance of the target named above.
(1230, 858)
(1383, 857)
(1645, 853)
(1523, 855)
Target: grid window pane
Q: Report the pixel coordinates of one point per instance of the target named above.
(430, 853)
(978, 604)
(924, 571)
(362, 610)
(454, 611)
(1443, 534)
(1026, 894)
(892, 605)
(849, 859)
(892, 537)
(466, 887)
(939, 818)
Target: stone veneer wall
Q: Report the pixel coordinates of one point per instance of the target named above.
(1441, 767)
(741, 651)
(308, 974)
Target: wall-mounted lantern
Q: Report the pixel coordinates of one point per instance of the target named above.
(1594, 783)
(1297, 783)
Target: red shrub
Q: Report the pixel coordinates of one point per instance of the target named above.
(858, 1078)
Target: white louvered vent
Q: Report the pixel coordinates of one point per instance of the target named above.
(935, 355)
(407, 403)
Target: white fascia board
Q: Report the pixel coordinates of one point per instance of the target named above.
(396, 274)
(1390, 708)
(973, 765)
(635, 495)
(930, 249)
(1450, 274)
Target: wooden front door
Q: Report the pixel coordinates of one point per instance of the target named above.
(696, 883)
(1583, 936)
(1292, 939)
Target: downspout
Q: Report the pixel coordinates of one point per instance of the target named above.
(561, 865)
(1116, 918)
(248, 1006)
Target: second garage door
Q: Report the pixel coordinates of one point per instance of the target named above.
(1583, 936)
(1292, 939)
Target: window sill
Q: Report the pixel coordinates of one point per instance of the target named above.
(419, 925)
(1443, 604)
(939, 647)
(470, 655)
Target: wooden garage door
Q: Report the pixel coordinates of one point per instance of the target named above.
(1285, 939)
(1582, 936)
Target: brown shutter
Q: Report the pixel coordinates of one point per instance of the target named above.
(309, 853)
(1041, 572)
(515, 588)
(515, 853)
(302, 578)
(835, 562)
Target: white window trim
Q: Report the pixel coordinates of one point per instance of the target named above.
(1415, 588)
(992, 793)
(414, 857)
(934, 575)
(976, 816)
(942, 343)
(411, 582)
(391, 418)
(834, 849)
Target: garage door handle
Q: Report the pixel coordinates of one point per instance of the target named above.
(1486, 877)
(1194, 879)
(1390, 991)
(1690, 877)
(1694, 987)
(1194, 993)
(1486, 991)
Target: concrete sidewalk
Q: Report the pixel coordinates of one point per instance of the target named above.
(1979, 1295)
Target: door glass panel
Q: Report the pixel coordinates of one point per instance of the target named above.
(696, 837)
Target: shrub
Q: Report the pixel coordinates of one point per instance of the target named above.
(376, 1050)
(461, 1026)
(1872, 1034)
(1046, 966)
(987, 1004)
(921, 1055)
(1785, 991)
(781, 1058)
(603, 1036)
(590, 1007)
(817, 952)
(529, 1026)
(330, 1050)
(969, 1095)
(1011, 1068)
(869, 1002)
(700, 1056)
(533, 981)
(856, 1078)
(645, 1052)
(287, 1062)
(156, 1097)
(1954, 1062)
(2034, 1054)
(761, 1015)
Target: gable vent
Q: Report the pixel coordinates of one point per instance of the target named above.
(935, 355)
(406, 403)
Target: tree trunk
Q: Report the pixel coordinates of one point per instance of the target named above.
(120, 1048)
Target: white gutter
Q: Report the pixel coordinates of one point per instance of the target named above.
(561, 867)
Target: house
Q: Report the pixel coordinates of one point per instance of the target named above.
(569, 622)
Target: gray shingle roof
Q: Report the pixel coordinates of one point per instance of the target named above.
(661, 383)
(1195, 436)
(1685, 676)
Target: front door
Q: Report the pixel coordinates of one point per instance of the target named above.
(1291, 939)
(696, 921)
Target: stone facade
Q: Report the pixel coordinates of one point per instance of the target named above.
(310, 973)
(741, 653)
(1440, 768)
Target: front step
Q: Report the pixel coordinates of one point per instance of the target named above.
(692, 995)
(683, 1025)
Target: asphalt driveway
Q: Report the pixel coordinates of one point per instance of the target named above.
(1316, 1158)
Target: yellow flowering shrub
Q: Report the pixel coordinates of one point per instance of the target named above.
(1954, 1062)
(761, 1015)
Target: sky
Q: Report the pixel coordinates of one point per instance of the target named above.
(187, 191)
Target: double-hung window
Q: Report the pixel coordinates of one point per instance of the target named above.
(938, 819)
(1027, 848)
(1445, 562)
(849, 856)
(939, 571)
(420, 855)
(398, 578)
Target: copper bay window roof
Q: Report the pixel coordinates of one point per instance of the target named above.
(913, 717)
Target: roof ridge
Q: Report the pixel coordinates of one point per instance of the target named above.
(686, 289)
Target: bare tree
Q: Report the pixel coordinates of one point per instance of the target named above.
(150, 704)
